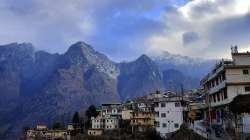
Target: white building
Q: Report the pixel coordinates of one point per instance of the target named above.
(97, 122)
(108, 118)
(169, 115)
(111, 123)
(227, 80)
(113, 109)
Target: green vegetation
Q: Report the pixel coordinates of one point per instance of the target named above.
(58, 125)
(90, 112)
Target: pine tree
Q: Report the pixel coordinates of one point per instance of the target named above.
(90, 112)
(76, 118)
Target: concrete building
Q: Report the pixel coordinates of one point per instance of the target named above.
(97, 122)
(42, 132)
(142, 120)
(127, 114)
(169, 114)
(111, 122)
(228, 79)
(109, 117)
(95, 132)
(112, 109)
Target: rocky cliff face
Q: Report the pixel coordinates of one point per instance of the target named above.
(138, 78)
(39, 87)
(43, 87)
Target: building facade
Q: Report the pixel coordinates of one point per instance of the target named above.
(227, 80)
(169, 115)
(142, 120)
(108, 118)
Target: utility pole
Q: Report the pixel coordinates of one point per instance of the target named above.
(182, 92)
(170, 85)
(209, 111)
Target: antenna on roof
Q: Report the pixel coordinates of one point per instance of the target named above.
(234, 49)
(170, 85)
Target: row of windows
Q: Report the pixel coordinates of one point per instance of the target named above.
(108, 126)
(112, 111)
(106, 121)
(97, 126)
(216, 81)
(247, 89)
(164, 125)
(110, 121)
(177, 104)
(92, 133)
(221, 78)
(245, 72)
(219, 96)
(163, 115)
(144, 120)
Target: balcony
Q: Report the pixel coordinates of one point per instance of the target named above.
(217, 87)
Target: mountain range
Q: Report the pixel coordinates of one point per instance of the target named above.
(40, 87)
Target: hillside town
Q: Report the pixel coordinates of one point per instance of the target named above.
(218, 110)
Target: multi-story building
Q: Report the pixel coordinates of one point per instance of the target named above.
(169, 114)
(112, 109)
(108, 119)
(227, 80)
(42, 132)
(97, 122)
(142, 120)
(127, 114)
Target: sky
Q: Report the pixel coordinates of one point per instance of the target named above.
(125, 29)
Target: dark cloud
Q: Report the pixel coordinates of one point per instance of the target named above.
(189, 37)
(123, 29)
(109, 25)
(230, 31)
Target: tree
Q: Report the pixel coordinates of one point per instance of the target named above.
(151, 134)
(57, 125)
(76, 118)
(90, 112)
(125, 126)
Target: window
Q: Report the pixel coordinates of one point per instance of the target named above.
(247, 89)
(218, 96)
(245, 72)
(225, 94)
(176, 125)
(157, 114)
(157, 124)
(214, 98)
(163, 115)
(164, 125)
(163, 104)
(156, 104)
(223, 76)
(177, 104)
(217, 81)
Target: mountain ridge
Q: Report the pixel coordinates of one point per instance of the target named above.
(44, 87)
